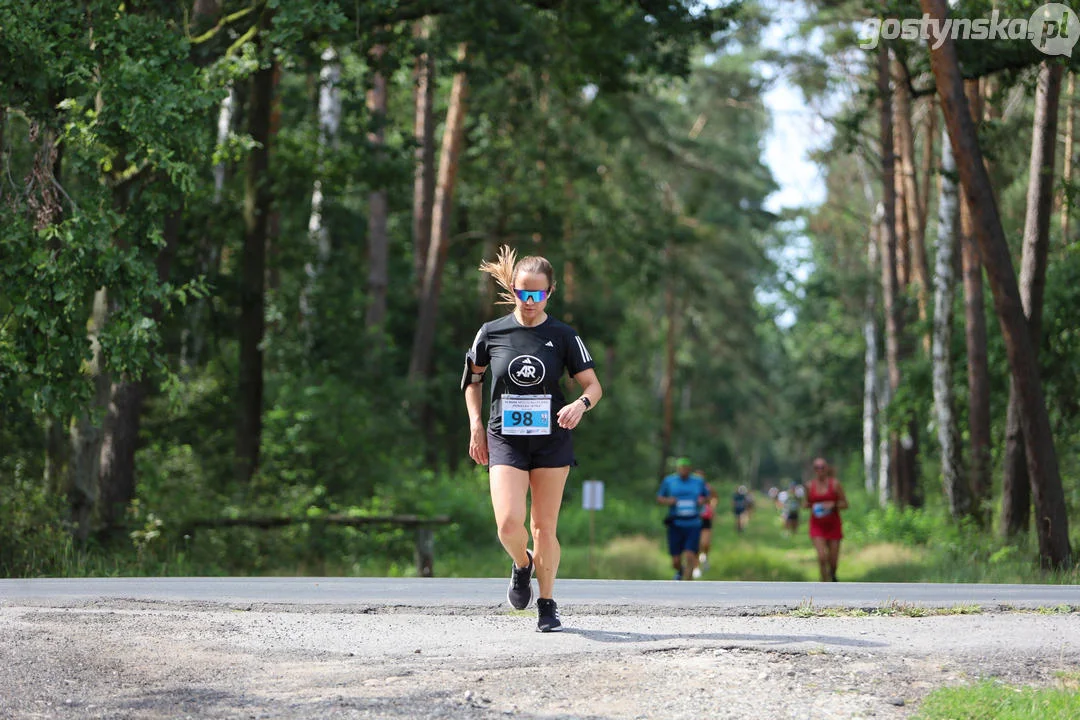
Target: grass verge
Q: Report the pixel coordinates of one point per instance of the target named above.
(989, 700)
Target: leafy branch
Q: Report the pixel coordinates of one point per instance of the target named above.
(222, 24)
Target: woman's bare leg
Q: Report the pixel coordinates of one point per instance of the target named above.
(547, 486)
(509, 487)
(834, 558)
(824, 567)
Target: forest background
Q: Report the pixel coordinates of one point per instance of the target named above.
(238, 274)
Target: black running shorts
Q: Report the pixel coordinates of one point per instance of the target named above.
(529, 452)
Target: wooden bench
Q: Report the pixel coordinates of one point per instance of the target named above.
(425, 535)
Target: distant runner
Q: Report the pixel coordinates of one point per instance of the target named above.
(825, 499)
(685, 495)
(740, 505)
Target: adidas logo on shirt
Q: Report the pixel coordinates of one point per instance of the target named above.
(549, 344)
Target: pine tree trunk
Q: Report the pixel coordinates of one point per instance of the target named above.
(453, 137)
(667, 388)
(975, 335)
(1016, 488)
(1052, 526)
(424, 133)
(120, 431)
(919, 272)
(1067, 164)
(257, 208)
(378, 240)
(929, 132)
(948, 433)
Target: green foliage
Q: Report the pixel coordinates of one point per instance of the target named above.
(622, 140)
(988, 700)
(33, 541)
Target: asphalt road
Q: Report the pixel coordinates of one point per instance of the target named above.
(625, 596)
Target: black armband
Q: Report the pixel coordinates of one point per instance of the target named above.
(468, 377)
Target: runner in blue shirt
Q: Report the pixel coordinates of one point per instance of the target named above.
(684, 494)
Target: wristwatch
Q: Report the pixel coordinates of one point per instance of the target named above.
(585, 399)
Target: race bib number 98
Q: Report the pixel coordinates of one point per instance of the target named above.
(526, 414)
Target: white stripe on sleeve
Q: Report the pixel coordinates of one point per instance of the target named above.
(585, 356)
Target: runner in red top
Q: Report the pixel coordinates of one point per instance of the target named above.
(826, 499)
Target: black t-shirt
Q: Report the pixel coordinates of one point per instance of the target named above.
(528, 361)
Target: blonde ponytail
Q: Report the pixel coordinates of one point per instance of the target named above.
(502, 271)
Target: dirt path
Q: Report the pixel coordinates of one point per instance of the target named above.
(120, 659)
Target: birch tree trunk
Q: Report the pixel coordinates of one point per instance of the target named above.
(453, 137)
(224, 123)
(318, 232)
(378, 240)
(424, 133)
(1052, 521)
(873, 409)
(1015, 494)
(86, 430)
(870, 372)
(885, 469)
(890, 283)
(903, 266)
(257, 207)
(948, 434)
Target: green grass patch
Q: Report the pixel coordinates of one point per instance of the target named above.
(1058, 610)
(994, 701)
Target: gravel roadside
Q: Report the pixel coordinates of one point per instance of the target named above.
(112, 659)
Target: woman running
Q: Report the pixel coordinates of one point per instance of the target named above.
(527, 444)
(826, 499)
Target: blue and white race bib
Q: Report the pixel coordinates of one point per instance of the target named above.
(686, 508)
(526, 414)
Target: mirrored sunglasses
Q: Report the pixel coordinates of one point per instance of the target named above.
(534, 295)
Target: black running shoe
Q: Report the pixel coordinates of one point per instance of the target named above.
(549, 616)
(520, 593)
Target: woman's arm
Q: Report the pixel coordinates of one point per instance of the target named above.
(571, 413)
(474, 403)
(474, 398)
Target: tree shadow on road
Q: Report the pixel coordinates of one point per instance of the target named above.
(610, 636)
